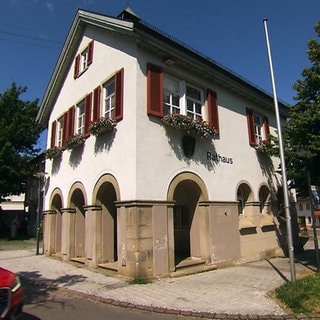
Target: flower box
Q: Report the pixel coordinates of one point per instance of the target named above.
(102, 125)
(53, 153)
(189, 125)
(74, 142)
(262, 146)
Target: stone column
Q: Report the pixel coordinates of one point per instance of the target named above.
(222, 231)
(49, 227)
(68, 233)
(93, 234)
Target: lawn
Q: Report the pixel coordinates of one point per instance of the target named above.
(301, 296)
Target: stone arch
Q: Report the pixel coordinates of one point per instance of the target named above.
(105, 193)
(264, 198)
(55, 206)
(77, 199)
(188, 237)
(244, 195)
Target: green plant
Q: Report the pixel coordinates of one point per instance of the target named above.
(53, 152)
(301, 296)
(189, 125)
(262, 146)
(74, 141)
(103, 124)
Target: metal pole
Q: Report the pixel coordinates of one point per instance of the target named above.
(283, 163)
(38, 217)
(315, 237)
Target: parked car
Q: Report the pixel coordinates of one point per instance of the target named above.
(11, 295)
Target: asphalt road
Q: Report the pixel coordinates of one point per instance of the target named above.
(51, 304)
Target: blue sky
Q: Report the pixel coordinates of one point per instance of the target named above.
(32, 33)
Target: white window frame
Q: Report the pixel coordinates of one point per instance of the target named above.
(60, 132)
(80, 116)
(108, 106)
(170, 107)
(258, 127)
(84, 57)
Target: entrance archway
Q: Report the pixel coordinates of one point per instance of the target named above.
(56, 204)
(77, 201)
(106, 193)
(106, 197)
(187, 190)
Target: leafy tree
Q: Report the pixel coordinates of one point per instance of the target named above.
(19, 134)
(302, 131)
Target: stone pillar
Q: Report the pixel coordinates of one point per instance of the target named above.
(68, 233)
(223, 241)
(49, 234)
(93, 234)
(161, 245)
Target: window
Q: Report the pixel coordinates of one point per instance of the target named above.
(258, 127)
(300, 207)
(83, 60)
(194, 103)
(166, 94)
(60, 132)
(182, 98)
(80, 118)
(171, 96)
(308, 206)
(108, 100)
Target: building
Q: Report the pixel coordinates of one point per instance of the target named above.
(12, 215)
(179, 177)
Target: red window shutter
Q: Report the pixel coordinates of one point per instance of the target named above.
(53, 134)
(119, 95)
(65, 128)
(250, 122)
(77, 66)
(266, 127)
(71, 115)
(96, 104)
(154, 90)
(213, 116)
(90, 53)
(87, 112)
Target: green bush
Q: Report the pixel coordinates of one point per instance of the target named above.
(301, 296)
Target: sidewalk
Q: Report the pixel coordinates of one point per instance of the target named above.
(223, 293)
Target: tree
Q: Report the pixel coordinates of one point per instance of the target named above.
(302, 131)
(19, 134)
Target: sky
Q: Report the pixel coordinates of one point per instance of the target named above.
(231, 32)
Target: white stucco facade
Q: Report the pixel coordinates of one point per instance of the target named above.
(144, 166)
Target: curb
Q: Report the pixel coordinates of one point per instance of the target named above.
(177, 312)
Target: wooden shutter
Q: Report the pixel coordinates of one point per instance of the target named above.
(71, 114)
(53, 134)
(119, 95)
(87, 112)
(250, 123)
(213, 116)
(266, 127)
(65, 128)
(76, 66)
(96, 104)
(90, 53)
(154, 90)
